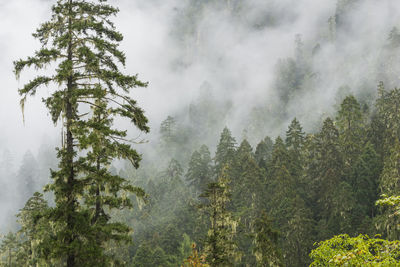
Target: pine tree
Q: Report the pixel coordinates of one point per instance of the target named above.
(388, 106)
(298, 234)
(390, 177)
(263, 152)
(295, 136)
(364, 181)
(9, 248)
(225, 150)
(287, 207)
(280, 181)
(82, 42)
(351, 130)
(329, 175)
(168, 131)
(247, 185)
(35, 228)
(294, 143)
(266, 238)
(199, 173)
(220, 248)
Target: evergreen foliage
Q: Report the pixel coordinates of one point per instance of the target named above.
(220, 248)
(81, 42)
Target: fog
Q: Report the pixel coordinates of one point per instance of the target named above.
(234, 47)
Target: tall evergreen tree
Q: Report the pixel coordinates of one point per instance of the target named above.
(294, 143)
(351, 130)
(199, 173)
(266, 238)
(247, 184)
(83, 42)
(329, 175)
(220, 248)
(225, 150)
(264, 152)
(168, 131)
(365, 181)
(295, 136)
(34, 229)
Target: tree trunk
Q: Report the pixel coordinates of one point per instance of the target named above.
(70, 153)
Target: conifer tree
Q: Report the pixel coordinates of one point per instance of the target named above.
(295, 136)
(294, 143)
(9, 248)
(329, 175)
(82, 43)
(266, 238)
(280, 181)
(168, 131)
(220, 248)
(199, 173)
(247, 184)
(225, 150)
(364, 180)
(351, 130)
(34, 229)
(263, 152)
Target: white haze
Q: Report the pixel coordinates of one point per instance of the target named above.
(228, 53)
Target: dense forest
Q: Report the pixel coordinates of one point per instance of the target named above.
(302, 176)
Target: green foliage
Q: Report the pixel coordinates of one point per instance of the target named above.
(264, 152)
(81, 42)
(195, 260)
(362, 250)
(351, 129)
(199, 172)
(225, 150)
(266, 248)
(220, 248)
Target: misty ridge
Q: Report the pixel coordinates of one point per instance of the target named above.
(282, 115)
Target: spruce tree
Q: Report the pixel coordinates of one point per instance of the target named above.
(81, 42)
(263, 152)
(34, 229)
(247, 184)
(266, 238)
(225, 150)
(220, 248)
(294, 143)
(295, 136)
(351, 130)
(199, 173)
(329, 176)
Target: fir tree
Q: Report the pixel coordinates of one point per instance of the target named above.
(220, 248)
(364, 180)
(263, 152)
(351, 130)
(168, 131)
(9, 248)
(225, 150)
(329, 175)
(82, 42)
(294, 143)
(295, 136)
(34, 229)
(199, 173)
(266, 238)
(247, 185)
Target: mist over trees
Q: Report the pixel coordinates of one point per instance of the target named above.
(280, 145)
